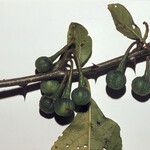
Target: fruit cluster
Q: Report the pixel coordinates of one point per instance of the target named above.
(57, 97)
(56, 94)
(116, 79)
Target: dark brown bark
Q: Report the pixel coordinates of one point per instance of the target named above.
(92, 72)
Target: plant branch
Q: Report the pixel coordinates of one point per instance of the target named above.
(92, 72)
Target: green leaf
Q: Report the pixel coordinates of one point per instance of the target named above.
(124, 21)
(90, 130)
(83, 41)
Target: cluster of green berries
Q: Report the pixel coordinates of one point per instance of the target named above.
(57, 97)
(116, 79)
(49, 103)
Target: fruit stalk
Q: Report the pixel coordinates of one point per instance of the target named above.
(62, 62)
(61, 87)
(147, 70)
(60, 52)
(63, 106)
(79, 68)
(141, 84)
(67, 90)
(122, 64)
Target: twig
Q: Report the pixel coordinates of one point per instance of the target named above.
(92, 72)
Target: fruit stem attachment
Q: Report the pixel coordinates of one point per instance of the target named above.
(67, 90)
(60, 52)
(79, 68)
(64, 58)
(122, 64)
(61, 87)
(147, 70)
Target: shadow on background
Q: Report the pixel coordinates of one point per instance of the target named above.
(64, 120)
(82, 108)
(59, 119)
(115, 94)
(141, 98)
(46, 116)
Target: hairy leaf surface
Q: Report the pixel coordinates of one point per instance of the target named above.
(124, 22)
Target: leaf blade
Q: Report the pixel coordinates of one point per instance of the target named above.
(83, 41)
(124, 22)
(97, 134)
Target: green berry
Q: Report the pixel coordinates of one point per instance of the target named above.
(115, 80)
(43, 64)
(64, 107)
(81, 96)
(46, 105)
(49, 87)
(141, 86)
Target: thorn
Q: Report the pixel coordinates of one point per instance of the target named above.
(24, 95)
(23, 85)
(95, 79)
(94, 65)
(133, 65)
(24, 92)
(134, 69)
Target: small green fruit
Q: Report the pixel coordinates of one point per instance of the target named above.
(64, 107)
(43, 64)
(49, 87)
(141, 86)
(115, 80)
(81, 96)
(46, 105)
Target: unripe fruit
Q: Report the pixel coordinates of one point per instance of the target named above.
(81, 96)
(43, 64)
(49, 87)
(64, 107)
(141, 86)
(115, 80)
(46, 105)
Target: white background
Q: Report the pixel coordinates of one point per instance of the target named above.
(29, 29)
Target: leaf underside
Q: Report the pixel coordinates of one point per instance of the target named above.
(82, 40)
(90, 131)
(124, 22)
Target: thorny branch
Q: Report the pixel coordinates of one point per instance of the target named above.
(92, 72)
